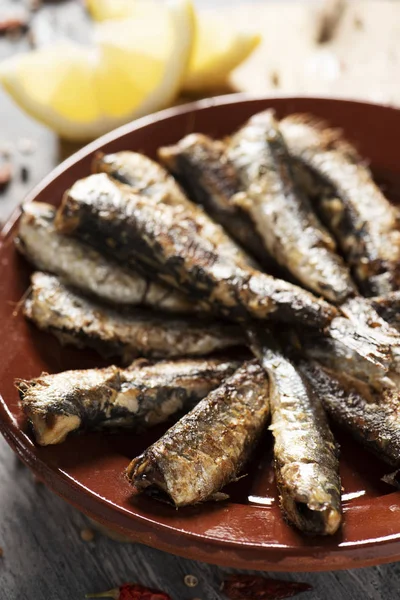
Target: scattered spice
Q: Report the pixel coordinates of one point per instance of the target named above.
(5, 175)
(87, 534)
(254, 587)
(132, 591)
(328, 19)
(24, 174)
(14, 25)
(275, 79)
(191, 580)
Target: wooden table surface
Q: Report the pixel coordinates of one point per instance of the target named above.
(44, 557)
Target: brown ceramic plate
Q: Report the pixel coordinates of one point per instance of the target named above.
(248, 531)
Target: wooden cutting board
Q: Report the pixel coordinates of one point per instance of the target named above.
(362, 61)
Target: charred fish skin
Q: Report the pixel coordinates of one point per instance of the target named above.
(388, 307)
(376, 425)
(181, 251)
(80, 321)
(202, 167)
(209, 446)
(79, 265)
(365, 224)
(305, 452)
(147, 178)
(134, 398)
(282, 214)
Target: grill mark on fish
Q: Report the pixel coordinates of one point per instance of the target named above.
(282, 214)
(141, 396)
(182, 251)
(79, 265)
(305, 452)
(375, 424)
(208, 447)
(366, 225)
(203, 168)
(77, 320)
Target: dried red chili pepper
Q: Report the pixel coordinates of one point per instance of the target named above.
(131, 591)
(242, 587)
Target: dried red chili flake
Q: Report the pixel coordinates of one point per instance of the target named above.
(242, 587)
(131, 591)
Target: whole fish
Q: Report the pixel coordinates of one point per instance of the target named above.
(366, 225)
(138, 397)
(202, 166)
(147, 178)
(82, 267)
(305, 452)
(181, 250)
(77, 320)
(281, 213)
(209, 446)
(375, 423)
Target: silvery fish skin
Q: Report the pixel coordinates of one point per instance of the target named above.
(209, 446)
(305, 452)
(147, 178)
(281, 213)
(374, 423)
(342, 359)
(182, 250)
(143, 395)
(79, 321)
(366, 225)
(202, 166)
(82, 267)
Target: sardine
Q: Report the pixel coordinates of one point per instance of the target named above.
(147, 178)
(209, 446)
(202, 166)
(143, 395)
(365, 223)
(82, 267)
(281, 213)
(181, 250)
(305, 452)
(77, 320)
(375, 423)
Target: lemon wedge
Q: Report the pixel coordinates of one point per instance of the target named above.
(218, 48)
(134, 67)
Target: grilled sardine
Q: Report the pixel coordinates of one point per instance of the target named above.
(79, 265)
(282, 214)
(376, 424)
(138, 397)
(366, 225)
(203, 168)
(76, 320)
(181, 250)
(147, 178)
(209, 446)
(305, 452)
(388, 307)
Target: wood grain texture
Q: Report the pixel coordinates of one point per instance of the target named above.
(44, 556)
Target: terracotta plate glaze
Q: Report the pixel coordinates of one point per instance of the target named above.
(248, 531)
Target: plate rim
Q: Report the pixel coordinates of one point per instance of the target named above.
(340, 558)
